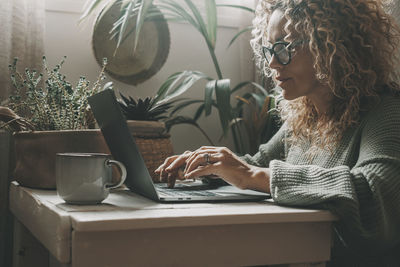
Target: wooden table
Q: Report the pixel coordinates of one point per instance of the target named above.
(129, 230)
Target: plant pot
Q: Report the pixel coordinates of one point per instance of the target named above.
(36, 153)
(154, 143)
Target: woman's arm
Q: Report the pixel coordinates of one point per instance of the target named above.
(273, 149)
(366, 197)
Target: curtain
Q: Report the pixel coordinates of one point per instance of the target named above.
(22, 25)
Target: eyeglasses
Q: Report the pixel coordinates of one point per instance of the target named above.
(281, 50)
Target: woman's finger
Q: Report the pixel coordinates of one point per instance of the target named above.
(200, 160)
(201, 171)
(195, 155)
(171, 178)
(178, 162)
(166, 163)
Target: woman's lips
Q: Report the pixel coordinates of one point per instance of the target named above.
(281, 80)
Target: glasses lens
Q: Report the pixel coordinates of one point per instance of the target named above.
(282, 53)
(267, 53)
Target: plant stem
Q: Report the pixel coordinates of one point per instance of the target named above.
(206, 136)
(214, 58)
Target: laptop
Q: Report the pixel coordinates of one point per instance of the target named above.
(121, 143)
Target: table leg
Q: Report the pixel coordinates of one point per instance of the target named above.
(27, 250)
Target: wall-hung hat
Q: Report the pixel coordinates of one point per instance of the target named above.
(124, 64)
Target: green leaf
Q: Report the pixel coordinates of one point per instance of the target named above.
(103, 11)
(198, 112)
(179, 13)
(184, 104)
(178, 84)
(164, 87)
(208, 92)
(259, 99)
(141, 15)
(200, 22)
(223, 93)
(242, 100)
(125, 20)
(211, 11)
(90, 7)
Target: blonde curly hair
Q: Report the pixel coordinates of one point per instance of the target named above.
(355, 47)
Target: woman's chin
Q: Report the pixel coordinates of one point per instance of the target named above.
(287, 95)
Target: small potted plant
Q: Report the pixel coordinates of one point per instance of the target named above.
(145, 119)
(49, 115)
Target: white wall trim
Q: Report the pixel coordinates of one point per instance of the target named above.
(227, 17)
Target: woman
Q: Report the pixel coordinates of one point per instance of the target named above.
(339, 147)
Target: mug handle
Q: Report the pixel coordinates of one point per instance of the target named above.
(121, 166)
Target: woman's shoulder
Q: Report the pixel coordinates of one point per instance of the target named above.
(387, 103)
(385, 109)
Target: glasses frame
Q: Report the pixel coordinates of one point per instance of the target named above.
(288, 47)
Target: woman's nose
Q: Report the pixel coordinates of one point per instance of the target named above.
(274, 63)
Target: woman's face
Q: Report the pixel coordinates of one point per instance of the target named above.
(298, 77)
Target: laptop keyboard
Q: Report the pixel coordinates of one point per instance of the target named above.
(182, 191)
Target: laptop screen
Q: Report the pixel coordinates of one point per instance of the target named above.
(112, 123)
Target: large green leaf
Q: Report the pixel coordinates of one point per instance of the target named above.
(223, 94)
(179, 83)
(141, 15)
(91, 6)
(260, 99)
(178, 12)
(198, 112)
(124, 23)
(208, 93)
(200, 21)
(185, 104)
(211, 11)
(164, 87)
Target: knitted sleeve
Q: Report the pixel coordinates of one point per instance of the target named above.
(273, 149)
(366, 198)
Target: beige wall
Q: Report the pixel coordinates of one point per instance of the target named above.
(187, 51)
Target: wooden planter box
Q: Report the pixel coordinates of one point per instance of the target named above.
(36, 153)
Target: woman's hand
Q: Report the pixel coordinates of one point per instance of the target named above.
(219, 161)
(172, 168)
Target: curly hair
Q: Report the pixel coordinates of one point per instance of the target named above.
(354, 45)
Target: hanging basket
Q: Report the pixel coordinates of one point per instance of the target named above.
(153, 142)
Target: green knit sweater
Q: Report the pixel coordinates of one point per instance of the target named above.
(359, 182)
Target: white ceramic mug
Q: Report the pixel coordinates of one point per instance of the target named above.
(85, 178)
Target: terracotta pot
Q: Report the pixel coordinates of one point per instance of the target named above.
(36, 153)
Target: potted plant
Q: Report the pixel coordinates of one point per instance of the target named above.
(49, 115)
(145, 122)
(219, 93)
